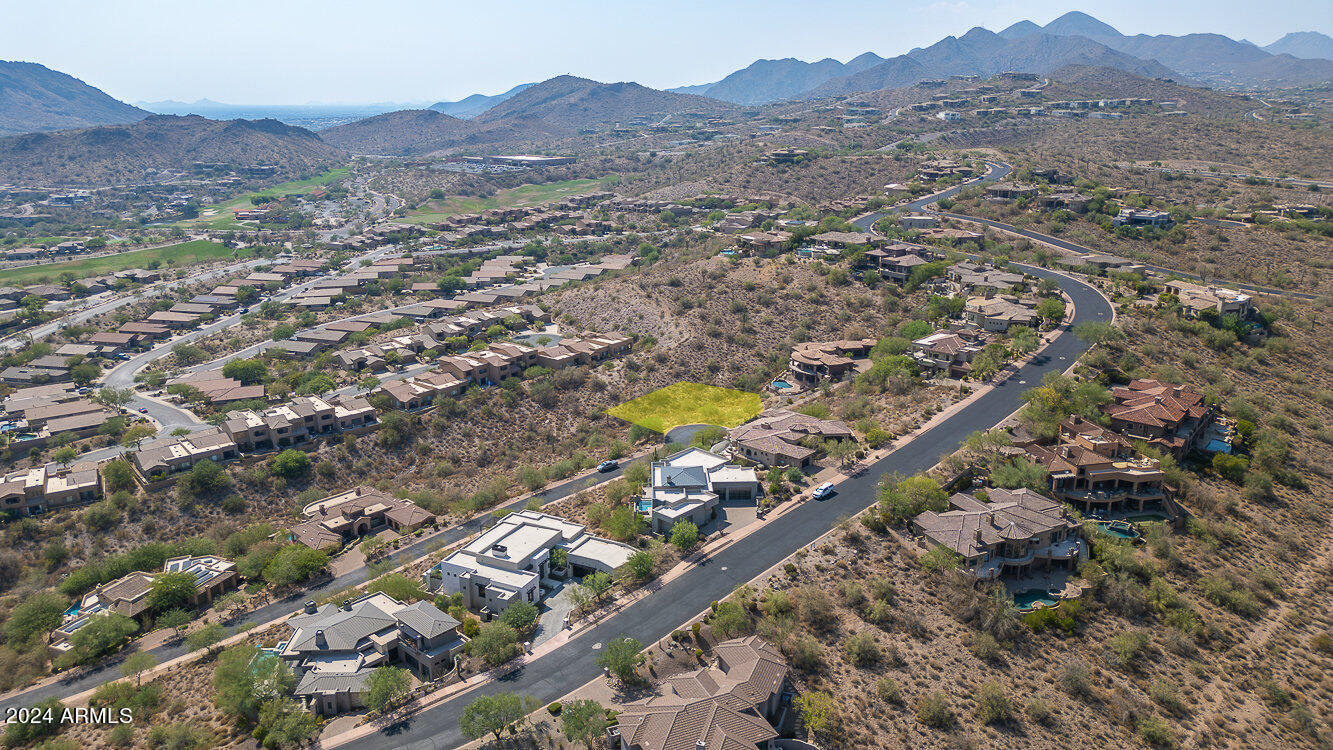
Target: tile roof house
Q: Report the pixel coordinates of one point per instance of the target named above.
(948, 352)
(997, 314)
(1098, 471)
(1171, 417)
(813, 361)
(509, 561)
(733, 704)
(334, 648)
(349, 515)
(689, 484)
(170, 455)
(1012, 532)
(774, 439)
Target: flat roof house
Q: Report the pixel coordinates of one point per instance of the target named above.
(334, 648)
(508, 562)
(689, 484)
(1011, 533)
(1140, 217)
(1010, 191)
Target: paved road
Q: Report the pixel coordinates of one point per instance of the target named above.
(652, 618)
(108, 670)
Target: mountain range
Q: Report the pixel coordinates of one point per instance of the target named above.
(1074, 38)
(124, 154)
(34, 98)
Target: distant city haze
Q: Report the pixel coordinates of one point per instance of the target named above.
(417, 52)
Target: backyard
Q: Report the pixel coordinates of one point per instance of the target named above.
(524, 195)
(185, 253)
(689, 403)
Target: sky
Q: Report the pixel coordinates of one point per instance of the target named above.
(369, 51)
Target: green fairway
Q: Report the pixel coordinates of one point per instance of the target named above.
(186, 253)
(220, 216)
(523, 195)
(689, 403)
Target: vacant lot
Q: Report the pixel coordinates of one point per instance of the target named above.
(525, 195)
(689, 403)
(194, 251)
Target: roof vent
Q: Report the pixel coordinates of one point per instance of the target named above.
(320, 640)
(700, 745)
(310, 607)
(347, 605)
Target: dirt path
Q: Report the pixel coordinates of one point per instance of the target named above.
(1211, 700)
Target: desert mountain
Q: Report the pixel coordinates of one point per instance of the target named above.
(35, 98)
(1309, 45)
(477, 103)
(981, 52)
(408, 131)
(568, 103)
(124, 154)
(773, 80)
(1208, 57)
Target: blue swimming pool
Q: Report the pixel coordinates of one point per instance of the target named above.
(1030, 599)
(645, 506)
(781, 384)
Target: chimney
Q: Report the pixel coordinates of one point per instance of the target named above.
(347, 605)
(700, 745)
(310, 607)
(320, 640)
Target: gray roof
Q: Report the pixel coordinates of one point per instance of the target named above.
(342, 629)
(426, 619)
(322, 682)
(684, 476)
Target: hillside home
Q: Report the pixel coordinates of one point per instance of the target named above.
(998, 314)
(40, 489)
(1007, 191)
(1010, 533)
(948, 353)
(814, 361)
(509, 561)
(162, 457)
(333, 649)
(1098, 471)
(689, 485)
(1196, 299)
(774, 439)
(1171, 417)
(303, 419)
(339, 519)
(737, 702)
(1141, 217)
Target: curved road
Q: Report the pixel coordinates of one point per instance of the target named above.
(653, 617)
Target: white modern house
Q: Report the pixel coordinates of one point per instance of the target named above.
(688, 485)
(508, 562)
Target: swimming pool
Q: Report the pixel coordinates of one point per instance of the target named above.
(1118, 529)
(781, 384)
(645, 506)
(1028, 600)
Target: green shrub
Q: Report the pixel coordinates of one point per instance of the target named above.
(933, 711)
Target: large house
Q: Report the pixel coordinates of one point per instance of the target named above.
(161, 457)
(334, 648)
(1011, 533)
(304, 419)
(130, 595)
(1197, 299)
(42, 488)
(813, 361)
(689, 485)
(998, 314)
(1171, 417)
(1142, 217)
(340, 518)
(1098, 471)
(735, 704)
(510, 560)
(949, 353)
(775, 439)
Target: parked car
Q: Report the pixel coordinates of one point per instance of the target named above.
(822, 491)
(143, 409)
(608, 465)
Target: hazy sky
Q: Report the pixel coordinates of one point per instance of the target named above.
(298, 51)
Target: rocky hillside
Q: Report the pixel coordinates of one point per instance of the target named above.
(773, 80)
(408, 131)
(35, 98)
(137, 152)
(568, 103)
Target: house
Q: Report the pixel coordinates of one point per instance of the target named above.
(1098, 471)
(734, 703)
(339, 519)
(146, 330)
(420, 391)
(948, 353)
(1170, 417)
(774, 439)
(304, 419)
(1007, 191)
(688, 486)
(997, 314)
(130, 595)
(334, 648)
(848, 239)
(813, 361)
(39, 489)
(38, 395)
(1009, 533)
(1196, 299)
(948, 115)
(162, 457)
(1140, 217)
(1069, 201)
(509, 561)
(918, 221)
(967, 277)
(174, 320)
